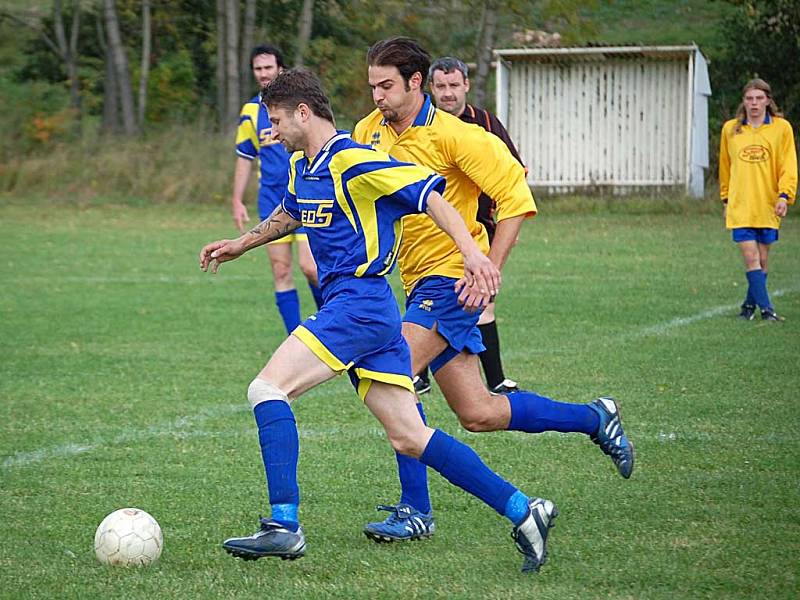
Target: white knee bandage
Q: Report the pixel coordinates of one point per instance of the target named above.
(261, 390)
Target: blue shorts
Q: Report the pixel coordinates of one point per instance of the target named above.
(434, 301)
(359, 330)
(762, 235)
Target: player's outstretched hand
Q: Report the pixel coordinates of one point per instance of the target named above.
(218, 252)
(480, 283)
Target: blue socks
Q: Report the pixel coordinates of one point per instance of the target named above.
(517, 508)
(757, 281)
(461, 466)
(286, 515)
(414, 478)
(288, 304)
(277, 434)
(316, 291)
(533, 414)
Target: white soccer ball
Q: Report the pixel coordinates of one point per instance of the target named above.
(128, 536)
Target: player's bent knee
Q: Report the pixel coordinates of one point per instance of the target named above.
(406, 444)
(261, 390)
(477, 422)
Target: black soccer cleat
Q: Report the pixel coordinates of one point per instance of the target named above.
(273, 539)
(422, 384)
(769, 314)
(748, 312)
(507, 386)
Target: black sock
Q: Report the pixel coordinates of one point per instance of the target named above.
(425, 375)
(490, 358)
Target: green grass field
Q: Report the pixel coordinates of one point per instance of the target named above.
(123, 378)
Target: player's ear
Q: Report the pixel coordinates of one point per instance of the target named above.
(303, 111)
(466, 84)
(415, 81)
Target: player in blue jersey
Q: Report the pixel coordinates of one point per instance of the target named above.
(253, 142)
(351, 199)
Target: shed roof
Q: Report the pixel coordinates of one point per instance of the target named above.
(596, 53)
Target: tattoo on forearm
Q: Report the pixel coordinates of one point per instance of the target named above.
(276, 225)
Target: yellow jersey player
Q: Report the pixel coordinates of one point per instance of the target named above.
(407, 125)
(757, 182)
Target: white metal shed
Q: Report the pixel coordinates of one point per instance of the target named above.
(619, 118)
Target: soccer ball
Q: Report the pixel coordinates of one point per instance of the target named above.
(128, 536)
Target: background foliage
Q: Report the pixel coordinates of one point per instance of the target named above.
(741, 39)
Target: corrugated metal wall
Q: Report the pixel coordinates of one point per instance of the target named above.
(616, 122)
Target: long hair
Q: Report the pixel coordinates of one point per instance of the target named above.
(772, 108)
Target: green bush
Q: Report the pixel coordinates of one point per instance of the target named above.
(34, 116)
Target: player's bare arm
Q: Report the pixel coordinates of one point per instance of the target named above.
(277, 225)
(481, 278)
(241, 176)
(505, 237)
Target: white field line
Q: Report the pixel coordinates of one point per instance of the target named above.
(175, 426)
(183, 428)
(178, 427)
(200, 278)
(662, 328)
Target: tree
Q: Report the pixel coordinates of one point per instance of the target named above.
(110, 121)
(248, 37)
(66, 50)
(121, 71)
(762, 39)
(486, 35)
(145, 70)
(304, 32)
(233, 96)
(219, 72)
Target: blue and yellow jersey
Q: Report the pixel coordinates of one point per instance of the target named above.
(470, 159)
(253, 141)
(757, 167)
(350, 199)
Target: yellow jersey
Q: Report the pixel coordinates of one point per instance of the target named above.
(757, 167)
(470, 159)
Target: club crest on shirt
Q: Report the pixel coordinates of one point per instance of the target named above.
(754, 153)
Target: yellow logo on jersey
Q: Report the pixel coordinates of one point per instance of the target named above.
(426, 305)
(754, 153)
(318, 214)
(265, 137)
